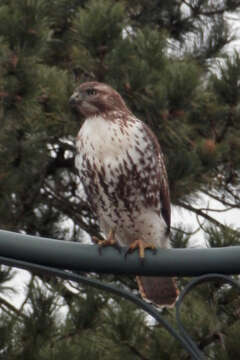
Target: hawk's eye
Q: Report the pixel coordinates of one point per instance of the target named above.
(91, 91)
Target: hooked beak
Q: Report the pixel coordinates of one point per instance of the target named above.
(75, 99)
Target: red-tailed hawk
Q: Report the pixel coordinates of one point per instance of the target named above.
(122, 170)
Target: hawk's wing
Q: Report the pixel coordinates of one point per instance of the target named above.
(164, 188)
(164, 193)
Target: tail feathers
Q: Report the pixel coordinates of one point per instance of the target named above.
(160, 290)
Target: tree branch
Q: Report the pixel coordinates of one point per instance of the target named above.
(201, 213)
(135, 351)
(224, 202)
(11, 307)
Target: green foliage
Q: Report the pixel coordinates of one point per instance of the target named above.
(221, 238)
(227, 87)
(180, 237)
(168, 62)
(99, 25)
(182, 79)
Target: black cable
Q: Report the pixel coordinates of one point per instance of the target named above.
(185, 340)
(188, 288)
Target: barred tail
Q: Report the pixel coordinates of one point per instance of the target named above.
(160, 290)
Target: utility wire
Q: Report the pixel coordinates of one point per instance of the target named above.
(185, 340)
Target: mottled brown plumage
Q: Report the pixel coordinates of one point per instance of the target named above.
(122, 169)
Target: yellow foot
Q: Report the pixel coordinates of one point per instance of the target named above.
(110, 241)
(141, 245)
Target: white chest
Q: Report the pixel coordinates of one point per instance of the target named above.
(109, 143)
(119, 169)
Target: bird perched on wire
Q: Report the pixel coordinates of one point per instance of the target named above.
(122, 169)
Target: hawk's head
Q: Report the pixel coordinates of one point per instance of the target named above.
(94, 98)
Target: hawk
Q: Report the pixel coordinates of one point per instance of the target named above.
(122, 170)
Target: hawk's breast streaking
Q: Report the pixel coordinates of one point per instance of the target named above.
(122, 170)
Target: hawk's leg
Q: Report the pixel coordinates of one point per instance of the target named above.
(110, 241)
(141, 246)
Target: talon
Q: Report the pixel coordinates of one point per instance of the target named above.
(110, 241)
(96, 240)
(141, 245)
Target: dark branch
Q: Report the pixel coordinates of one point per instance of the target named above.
(136, 352)
(201, 213)
(11, 307)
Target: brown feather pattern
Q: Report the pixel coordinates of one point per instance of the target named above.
(123, 174)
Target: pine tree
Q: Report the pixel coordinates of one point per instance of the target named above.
(169, 61)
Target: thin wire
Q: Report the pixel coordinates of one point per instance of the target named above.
(187, 343)
(188, 288)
